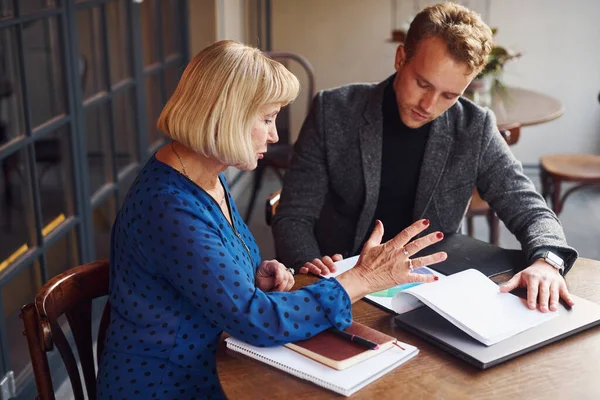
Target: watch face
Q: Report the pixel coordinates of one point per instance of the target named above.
(554, 259)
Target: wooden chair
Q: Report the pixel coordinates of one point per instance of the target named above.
(582, 169)
(478, 206)
(271, 206)
(69, 294)
(279, 155)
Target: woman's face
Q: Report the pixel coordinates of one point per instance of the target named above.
(263, 129)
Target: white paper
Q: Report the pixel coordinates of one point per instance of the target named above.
(473, 303)
(342, 266)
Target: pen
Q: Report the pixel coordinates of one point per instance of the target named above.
(357, 339)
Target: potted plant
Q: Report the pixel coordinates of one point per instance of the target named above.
(491, 75)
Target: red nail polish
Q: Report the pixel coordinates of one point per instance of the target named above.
(426, 222)
(435, 278)
(440, 235)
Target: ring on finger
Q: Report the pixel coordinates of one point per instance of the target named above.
(405, 251)
(410, 264)
(291, 271)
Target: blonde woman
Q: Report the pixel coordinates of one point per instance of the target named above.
(185, 267)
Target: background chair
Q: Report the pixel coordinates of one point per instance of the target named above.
(271, 206)
(581, 169)
(69, 294)
(279, 154)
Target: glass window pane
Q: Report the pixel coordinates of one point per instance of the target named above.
(118, 37)
(154, 104)
(44, 70)
(55, 177)
(31, 6)
(98, 146)
(92, 62)
(6, 12)
(12, 121)
(103, 217)
(17, 232)
(20, 290)
(125, 130)
(150, 31)
(63, 254)
(171, 28)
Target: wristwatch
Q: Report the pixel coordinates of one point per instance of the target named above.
(555, 261)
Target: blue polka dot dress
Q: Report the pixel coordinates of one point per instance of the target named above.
(180, 275)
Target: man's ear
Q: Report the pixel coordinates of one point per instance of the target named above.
(400, 57)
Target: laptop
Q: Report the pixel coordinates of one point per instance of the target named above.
(433, 328)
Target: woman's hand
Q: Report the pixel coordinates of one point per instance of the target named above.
(321, 266)
(273, 276)
(381, 266)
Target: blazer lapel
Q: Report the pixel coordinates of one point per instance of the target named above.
(371, 142)
(436, 154)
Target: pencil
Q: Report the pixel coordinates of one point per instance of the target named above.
(357, 339)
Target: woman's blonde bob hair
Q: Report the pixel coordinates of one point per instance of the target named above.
(218, 97)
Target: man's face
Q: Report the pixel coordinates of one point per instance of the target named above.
(429, 83)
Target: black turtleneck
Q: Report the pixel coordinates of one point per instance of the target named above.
(401, 158)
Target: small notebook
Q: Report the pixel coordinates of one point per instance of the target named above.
(345, 382)
(340, 353)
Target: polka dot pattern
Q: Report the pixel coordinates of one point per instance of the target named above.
(181, 275)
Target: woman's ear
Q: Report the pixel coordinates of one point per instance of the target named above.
(400, 57)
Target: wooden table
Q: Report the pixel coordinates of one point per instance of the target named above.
(515, 106)
(568, 369)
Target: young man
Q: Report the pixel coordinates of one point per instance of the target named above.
(411, 147)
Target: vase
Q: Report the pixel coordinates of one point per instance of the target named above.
(481, 90)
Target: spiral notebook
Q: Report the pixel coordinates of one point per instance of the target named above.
(345, 382)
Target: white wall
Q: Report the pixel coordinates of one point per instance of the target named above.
(561, 42)
(348, 41)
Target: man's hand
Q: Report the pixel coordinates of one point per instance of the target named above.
(273, 276)
(321, 267)
(544, 285)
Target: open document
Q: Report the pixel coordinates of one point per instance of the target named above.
(467, 299)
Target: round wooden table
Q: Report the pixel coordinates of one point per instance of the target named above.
(515, 106)
(566, 369)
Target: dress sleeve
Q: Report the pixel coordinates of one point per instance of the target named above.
(217, 276)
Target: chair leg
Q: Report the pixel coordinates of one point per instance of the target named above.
(546, 182)
(470, 226)
(257, 183)
(494, 224)
(556, 201)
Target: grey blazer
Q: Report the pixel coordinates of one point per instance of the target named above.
(330, 193)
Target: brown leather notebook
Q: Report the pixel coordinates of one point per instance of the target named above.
(337, 352)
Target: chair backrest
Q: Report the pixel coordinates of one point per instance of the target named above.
(285, 57)
(69, 294)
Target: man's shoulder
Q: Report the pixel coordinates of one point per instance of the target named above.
(467, 117)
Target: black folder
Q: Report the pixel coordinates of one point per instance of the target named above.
(465, 252)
